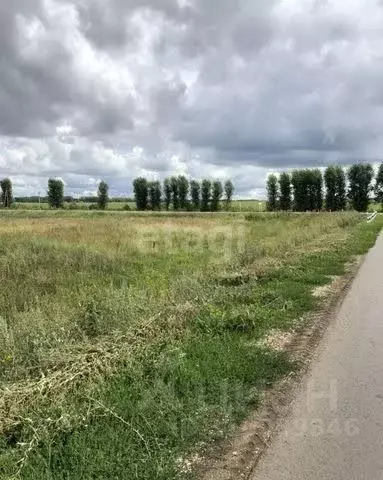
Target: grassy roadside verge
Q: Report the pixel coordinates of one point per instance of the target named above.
(191, 384)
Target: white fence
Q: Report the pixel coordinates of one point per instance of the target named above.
(371, 217)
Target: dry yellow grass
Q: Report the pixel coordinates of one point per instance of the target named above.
(87, 296)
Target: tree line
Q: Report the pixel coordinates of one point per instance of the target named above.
(55, 194)
(180, 194)
(310, 190)
(71, 199)
(177, 193)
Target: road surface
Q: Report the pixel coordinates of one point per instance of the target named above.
(335, 430)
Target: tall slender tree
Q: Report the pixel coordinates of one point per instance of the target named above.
(151, 196)
(102, 195)
(330, 178)
(183, 190)
(229, 191)
(205, 195)
(167, 193)
(217, 192)
(316, 178)
(141, 193)
(335, 181)
(195, 193)
(272, 193)
(341, 194)
(157, 194)
(175, 193)
(360, 177)
(310, 188)
(285, 191)
(299, 191)
(379, 185)
(6, 192)
(154, 189)
(55, 193)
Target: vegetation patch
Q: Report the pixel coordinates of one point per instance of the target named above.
(122, 360)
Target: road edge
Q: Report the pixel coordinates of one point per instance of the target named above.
(237, 457)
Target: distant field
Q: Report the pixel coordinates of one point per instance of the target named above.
(73, 206)
(126, 346)
(248, 206)
(237, 206)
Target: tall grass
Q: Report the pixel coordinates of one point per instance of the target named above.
(126, 343)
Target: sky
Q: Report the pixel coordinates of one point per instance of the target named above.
(96, 89)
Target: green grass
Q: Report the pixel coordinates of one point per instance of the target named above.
(130, 343)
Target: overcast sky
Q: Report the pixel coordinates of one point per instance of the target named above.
(113, 89)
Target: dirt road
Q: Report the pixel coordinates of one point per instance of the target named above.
(335, 430)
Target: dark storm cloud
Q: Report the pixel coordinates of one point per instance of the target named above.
(41, 85)
(106, 24)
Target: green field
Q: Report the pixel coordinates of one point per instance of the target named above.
(130, 342)
(113, 206)
(236, 206)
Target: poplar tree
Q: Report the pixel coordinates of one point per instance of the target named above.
(299, 191)
(141, 193)
(102, 195)
(175, 192)
(316, 179)
(195, 193)
(183, 190)
(285, 191)
(167, 193)
(379, 185)
(205, 195)
(154, 190)
(6, 192)
(360, 177)
(272, 193)
(341, 193)
(216, 196)
(330, 178)
(229, 191)
(55, 193)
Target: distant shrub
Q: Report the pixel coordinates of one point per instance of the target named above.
(74, 206)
